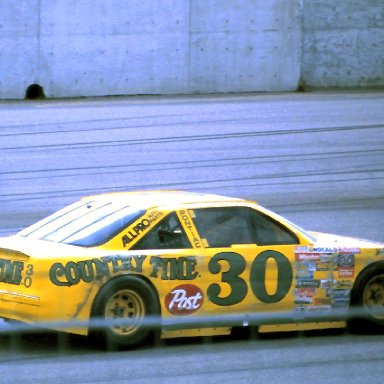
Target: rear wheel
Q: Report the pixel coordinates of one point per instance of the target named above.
(128, 309)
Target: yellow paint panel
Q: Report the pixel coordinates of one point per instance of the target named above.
(196, 332)
(301, 326)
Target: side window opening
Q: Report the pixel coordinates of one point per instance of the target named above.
(168, 234)
(223, 227)
(269, 232)
(226, 226)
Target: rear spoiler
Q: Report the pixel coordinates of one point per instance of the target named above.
(11, 254)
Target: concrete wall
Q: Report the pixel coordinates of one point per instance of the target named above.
(343, 43)
(19, 46)
(112, 47)
(99, 47)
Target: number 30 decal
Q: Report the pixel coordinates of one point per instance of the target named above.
(239, 287)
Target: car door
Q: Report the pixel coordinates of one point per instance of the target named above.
(250, 265)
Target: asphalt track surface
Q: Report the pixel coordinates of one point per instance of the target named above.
(316, 158)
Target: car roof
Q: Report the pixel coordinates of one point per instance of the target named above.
(159, 198)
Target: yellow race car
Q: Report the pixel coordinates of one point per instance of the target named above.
(180, 264)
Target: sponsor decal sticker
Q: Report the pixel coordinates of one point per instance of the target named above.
(184, 300)
(303, 300)
(341, 297)
(322, 301)
(185, 217)
(305, 269)
(343, 284)
(348, 250)
(304, 295)
(329, 250)
(346, 265)
(324, 283)
(307, 256)
(307, 283)
(140, 227)
(324, 249)
(312, 309)
(325, 266)
(346, 260)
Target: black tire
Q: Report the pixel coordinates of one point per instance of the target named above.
(367, 302)
(134, 302)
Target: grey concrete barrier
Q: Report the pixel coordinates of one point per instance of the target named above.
(73, 48)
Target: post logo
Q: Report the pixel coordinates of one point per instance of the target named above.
(184, 300)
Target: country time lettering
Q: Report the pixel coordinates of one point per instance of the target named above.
(181, 268)
(11, 272)
(72, 273)
(87, 271)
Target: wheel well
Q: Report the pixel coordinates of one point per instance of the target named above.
(367, 272)
(126, 278)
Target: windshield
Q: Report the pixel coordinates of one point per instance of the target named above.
(85, 223)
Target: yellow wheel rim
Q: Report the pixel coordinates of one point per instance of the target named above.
(124, 312)
(373, 297)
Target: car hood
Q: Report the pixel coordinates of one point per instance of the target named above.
(324, 240)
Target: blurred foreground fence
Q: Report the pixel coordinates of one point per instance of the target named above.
(13, 329)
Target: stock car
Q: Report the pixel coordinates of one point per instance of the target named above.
(199, 264)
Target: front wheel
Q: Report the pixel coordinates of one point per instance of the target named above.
(128, 309)
(373, 298)
(367, 301)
